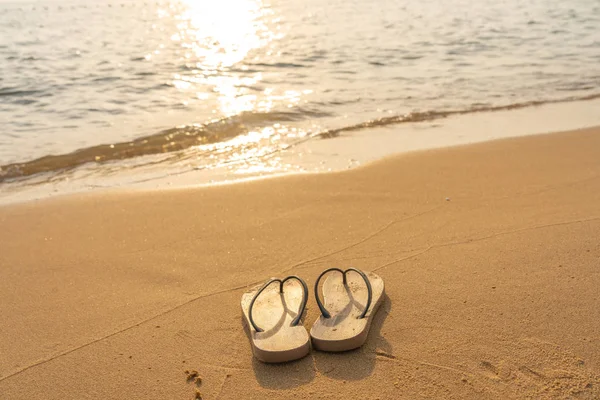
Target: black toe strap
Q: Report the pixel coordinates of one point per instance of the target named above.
(281, 282)
(324, 312)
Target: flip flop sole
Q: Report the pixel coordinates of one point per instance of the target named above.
(274, 312)
(344, 330)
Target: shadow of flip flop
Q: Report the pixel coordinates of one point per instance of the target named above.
(359, 363)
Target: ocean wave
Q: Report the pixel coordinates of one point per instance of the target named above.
(183, 137)
(432, 115)
(8, 91)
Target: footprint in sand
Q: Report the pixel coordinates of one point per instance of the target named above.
(538, 368)
(194, 376)
(501, 372)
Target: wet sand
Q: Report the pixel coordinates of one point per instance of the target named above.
(489, 253)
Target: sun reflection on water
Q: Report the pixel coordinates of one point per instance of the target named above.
(223, 32)
(216, 37)
(219, 42)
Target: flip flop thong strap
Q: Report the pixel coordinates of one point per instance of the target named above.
(324, 311)
(281, 283)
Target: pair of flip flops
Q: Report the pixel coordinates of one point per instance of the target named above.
(273, 312)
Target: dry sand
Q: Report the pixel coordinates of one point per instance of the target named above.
(491, 294)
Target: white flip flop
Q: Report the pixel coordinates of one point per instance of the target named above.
(270, 313)
(350, 303)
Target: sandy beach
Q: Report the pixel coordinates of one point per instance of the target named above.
(490, 255)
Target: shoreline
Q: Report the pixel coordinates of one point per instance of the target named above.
(488, 251)
(325, 155)
(184, 136)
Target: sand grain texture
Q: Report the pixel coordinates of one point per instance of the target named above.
(493, 293)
